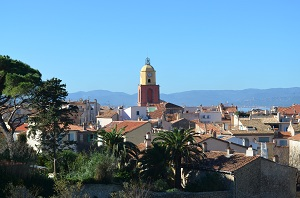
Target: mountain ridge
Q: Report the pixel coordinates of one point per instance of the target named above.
(246, 97)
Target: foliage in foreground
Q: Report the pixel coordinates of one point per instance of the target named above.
(132, 190)
(211, 181)
(97, 168)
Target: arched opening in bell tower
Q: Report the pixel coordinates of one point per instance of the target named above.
(150, 95)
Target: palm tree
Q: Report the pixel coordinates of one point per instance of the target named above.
(155, 163)
(181, 148)
(114, 142)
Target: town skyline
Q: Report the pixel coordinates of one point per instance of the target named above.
(192, 45)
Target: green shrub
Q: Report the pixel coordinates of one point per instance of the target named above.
(65, 189)
(97, 168)
(121, 176)
(211, 181)
(132, 190)
(160, 186)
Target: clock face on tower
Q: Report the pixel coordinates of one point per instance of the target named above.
(149, 74)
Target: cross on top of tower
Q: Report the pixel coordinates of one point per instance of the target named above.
(147, 61)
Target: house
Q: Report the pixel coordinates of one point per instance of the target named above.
(133, 113)
(167, 109)
(20, 129)
(85, 137)
(208, 128)
(281, 138)
(105, 117)
(247, 176)
(294, 151)
(289, 111)
(134, 131)
(182, 124)
(215, 144)
(87, 111)
(82, 136)
(252, 130)
(294, 129)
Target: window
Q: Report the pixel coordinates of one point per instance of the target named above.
(137, 112)
(263, 139)
(149, 80)
(91, 137)
(71, 137)
(81, 137)
(282, 143)
(206, 116)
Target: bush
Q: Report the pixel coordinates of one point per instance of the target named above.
(66, 190)
(21, 176)
(97, 168)
(160, 186)
(209, 182)
(121, 176)
(132, 190)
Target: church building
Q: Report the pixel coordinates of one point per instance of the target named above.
(148, 91)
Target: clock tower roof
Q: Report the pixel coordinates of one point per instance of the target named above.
(147, 67)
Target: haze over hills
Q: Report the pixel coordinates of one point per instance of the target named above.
(241, 98)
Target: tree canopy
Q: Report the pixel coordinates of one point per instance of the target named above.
(181, 148)
(52, 117)
(17, 83)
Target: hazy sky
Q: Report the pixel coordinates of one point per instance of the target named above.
(193, 45)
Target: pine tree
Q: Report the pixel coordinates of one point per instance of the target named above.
(52, 117)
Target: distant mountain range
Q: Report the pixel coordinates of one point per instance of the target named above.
(241, 98)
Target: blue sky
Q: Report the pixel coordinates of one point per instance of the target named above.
(193, 45)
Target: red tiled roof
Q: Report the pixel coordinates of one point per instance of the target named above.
(22, 128)
(107, 114)
(128, 124)
(73, 127)
(209, 127)
(219, 161)
(295, 137)
(284, 135)
(201, 138)
(294, 109)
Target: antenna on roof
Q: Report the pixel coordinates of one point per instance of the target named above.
(147, 61)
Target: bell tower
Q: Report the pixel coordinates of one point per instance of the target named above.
(148, 91)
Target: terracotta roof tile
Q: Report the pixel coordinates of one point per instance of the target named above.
(294, 109)
(22, 128)
(284, 135)
(209, 127)
(128, 124)
(219, 161)
(107, 114)
(295, 137)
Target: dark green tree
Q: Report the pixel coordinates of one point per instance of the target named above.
(116, 145)
(181, 148)
(17, 81)
(50, 122)
(155, 163)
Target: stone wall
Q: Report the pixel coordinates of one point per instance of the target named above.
(280, 182)
(247, 180)
(104, 191)
(221, 194)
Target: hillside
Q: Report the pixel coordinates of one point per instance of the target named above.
(247, 97)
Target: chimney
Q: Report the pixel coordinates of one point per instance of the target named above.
(229, 151)
(204, 147)
(250, 151)
(148, 140)
(84, 126)
(214, 134)
(275, 158)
